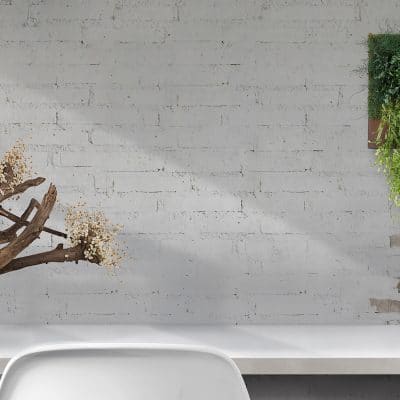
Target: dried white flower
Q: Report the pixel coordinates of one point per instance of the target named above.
(15, 167)
(96, 233)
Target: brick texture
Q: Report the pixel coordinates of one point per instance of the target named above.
(229, 137)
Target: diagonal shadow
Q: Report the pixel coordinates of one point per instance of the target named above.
(198, 205)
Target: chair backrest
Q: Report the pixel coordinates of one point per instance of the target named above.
(122, 372)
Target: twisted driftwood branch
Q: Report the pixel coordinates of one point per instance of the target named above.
(21, 188)
(59, 254)
(11, 173)
(11, 233)
(31, 231)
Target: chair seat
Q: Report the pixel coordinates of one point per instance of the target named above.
(113, 372)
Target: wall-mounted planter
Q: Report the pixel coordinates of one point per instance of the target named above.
(383, 60)
(373, 126)
(384, 107)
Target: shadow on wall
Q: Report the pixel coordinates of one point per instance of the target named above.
(246, 190)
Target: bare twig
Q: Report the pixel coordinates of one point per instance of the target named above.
(22, 222)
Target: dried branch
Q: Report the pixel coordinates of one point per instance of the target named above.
(21, 188)
(22, 222)
(91, 235)
(59, 254)
(32, 231)
(11, 233)
(7, 177)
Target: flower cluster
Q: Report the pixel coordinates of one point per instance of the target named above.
(14, 167)
(95, 233)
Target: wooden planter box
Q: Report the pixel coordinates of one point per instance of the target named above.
(373, 125)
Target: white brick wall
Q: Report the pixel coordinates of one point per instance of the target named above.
(229, 136)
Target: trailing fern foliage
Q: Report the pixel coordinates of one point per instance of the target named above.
(388, 153)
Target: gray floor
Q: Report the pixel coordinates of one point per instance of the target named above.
(323, 387)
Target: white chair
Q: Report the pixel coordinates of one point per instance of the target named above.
(122, 372)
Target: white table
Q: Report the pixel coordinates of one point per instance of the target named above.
(256, 349)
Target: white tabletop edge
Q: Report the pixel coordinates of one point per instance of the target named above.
(256, 349)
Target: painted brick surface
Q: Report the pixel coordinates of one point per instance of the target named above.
(230, 139)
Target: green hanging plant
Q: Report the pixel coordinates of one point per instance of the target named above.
(383, 71)
(388, 152)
